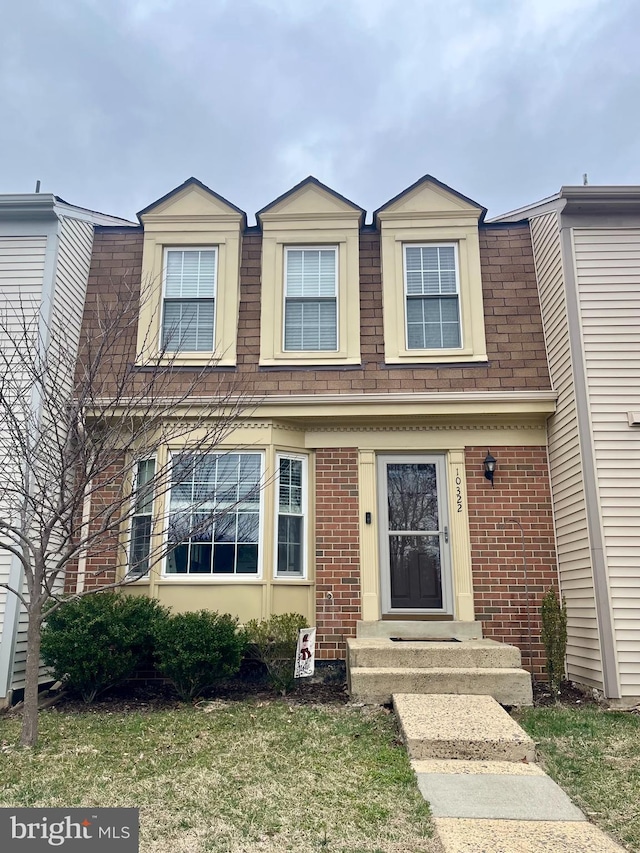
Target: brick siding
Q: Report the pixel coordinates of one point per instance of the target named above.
(102, 560)
(337, 550)
(516, 361)
(521, 490)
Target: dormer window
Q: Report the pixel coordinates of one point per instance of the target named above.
(310, 302)
(310, 289)
(189, 300)
(190, 292)
(432, 296)
(431, 276)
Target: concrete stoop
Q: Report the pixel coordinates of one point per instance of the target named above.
(474, 765)
(390, 657)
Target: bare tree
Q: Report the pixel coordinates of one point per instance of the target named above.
(78, 425)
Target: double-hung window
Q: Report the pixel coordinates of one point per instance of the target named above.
(310, 299)
(189, 300)
(214, 514)
(142, 517)
(291, 517)
(432, 296)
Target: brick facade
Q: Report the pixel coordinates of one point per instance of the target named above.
(516, 362)
(521, 491)
(102, 562)
(337, 550)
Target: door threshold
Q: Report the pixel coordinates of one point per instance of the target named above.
(418, 617)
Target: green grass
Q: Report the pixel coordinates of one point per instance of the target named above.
(229, 776)
(595, 756)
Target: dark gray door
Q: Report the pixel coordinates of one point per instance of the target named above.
(414, 534)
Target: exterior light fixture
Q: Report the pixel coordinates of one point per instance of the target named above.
(489, 467)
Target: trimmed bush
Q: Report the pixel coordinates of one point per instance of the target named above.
(554, 637)
(274, 642)
(96, 642)
(193, 650)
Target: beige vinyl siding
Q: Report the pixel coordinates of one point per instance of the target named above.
(22, 261)
(574, 558)
(71, 274)
(608, 277)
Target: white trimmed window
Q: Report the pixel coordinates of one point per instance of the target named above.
(142, 517)
(432, 296)
(291, 517)
(310, 299)
(189, 300)
(214, 514)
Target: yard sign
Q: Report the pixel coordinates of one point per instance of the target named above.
(306, 653)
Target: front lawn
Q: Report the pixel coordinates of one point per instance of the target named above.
(229, 776)
(595, 756)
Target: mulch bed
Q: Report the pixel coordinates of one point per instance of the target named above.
(569, 695)
(328, 688)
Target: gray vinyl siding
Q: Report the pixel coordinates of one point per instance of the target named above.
(75, 240)
(572, 536)
(22, 262)
(72, 272)
(608, 277)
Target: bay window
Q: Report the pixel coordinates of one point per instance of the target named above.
(142, 517)
(214, 514)
(291, 517)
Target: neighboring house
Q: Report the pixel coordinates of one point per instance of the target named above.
(45, 251)
(389, 360)
(586, 243)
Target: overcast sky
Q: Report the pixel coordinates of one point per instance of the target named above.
(112, 103)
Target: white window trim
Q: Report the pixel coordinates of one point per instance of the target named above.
(408, 245)
(212, 577)
(180, 352)
(134, 488)
(305, 353)
(305, 517)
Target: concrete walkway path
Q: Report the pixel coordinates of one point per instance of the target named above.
(475, 766)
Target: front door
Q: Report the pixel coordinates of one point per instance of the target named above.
(414, 535)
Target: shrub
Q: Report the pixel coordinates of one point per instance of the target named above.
(95, 642)
(554, 637)
(273, 642)
(195, 649)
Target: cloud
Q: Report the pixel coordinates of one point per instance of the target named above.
(113, 104)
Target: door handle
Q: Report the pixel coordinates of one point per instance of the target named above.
(446, 534)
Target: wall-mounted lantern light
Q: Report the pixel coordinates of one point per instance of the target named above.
(489, 467)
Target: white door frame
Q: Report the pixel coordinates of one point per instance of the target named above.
(440, 461)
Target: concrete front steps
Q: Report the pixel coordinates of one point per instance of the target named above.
(454, 660)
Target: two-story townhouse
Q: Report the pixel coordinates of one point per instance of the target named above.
(45, 252)
(586, 243)
(390, 363)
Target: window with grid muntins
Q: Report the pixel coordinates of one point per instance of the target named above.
(142, 518)
(432, 298)
(214, 514)
(189, 300)
(290, 518)
(310, 309)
